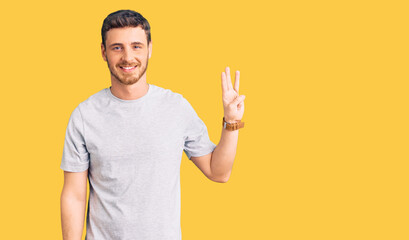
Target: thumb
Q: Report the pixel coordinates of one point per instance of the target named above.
(238, 100)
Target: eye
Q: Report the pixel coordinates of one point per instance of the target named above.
(137, 47)
(115, 48)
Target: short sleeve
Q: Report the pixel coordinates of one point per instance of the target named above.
(197, 142)
(75, 156)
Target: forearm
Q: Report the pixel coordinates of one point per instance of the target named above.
(223, 156)
(72, 217)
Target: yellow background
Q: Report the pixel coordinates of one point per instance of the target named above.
(323, 155)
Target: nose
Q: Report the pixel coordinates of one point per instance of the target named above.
(127, 55)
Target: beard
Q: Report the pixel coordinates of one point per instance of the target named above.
(128, 78)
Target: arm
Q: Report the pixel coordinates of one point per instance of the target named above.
(223, 155)
(217, 166)
(73, 204)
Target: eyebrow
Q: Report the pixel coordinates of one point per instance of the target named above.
(120, 44)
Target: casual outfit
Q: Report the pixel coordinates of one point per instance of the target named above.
(132, 150)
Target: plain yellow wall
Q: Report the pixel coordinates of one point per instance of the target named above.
(324, 152)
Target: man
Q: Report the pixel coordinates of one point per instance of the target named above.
(128, 140)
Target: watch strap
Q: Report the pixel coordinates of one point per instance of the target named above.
(233, 126)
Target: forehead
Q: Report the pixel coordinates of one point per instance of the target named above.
(126, 35)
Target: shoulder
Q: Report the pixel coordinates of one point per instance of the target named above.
(175, 101)
(94, 100)
(167, 95)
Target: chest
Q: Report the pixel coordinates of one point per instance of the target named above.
(129, 133)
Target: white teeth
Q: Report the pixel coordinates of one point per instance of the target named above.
(127, 68)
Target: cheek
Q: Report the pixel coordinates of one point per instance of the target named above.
(112, 60)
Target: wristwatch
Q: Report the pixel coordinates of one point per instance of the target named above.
(232, 126)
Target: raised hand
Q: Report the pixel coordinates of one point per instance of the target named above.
(233, 103)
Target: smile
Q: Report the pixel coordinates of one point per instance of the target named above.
(128, 69)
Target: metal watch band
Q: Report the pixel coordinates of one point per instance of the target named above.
(232, 126)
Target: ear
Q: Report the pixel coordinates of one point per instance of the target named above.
(103, 52)
(150, 49)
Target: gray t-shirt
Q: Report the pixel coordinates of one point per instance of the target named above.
(133, 150)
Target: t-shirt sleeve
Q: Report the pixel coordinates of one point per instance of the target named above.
(75, 156)
(197, 142)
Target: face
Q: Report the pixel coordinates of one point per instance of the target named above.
(127, 54)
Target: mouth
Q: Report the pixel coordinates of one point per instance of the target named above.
(127, 69)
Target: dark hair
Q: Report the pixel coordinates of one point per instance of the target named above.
(125, 18)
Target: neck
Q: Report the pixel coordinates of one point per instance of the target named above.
(129, 92)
